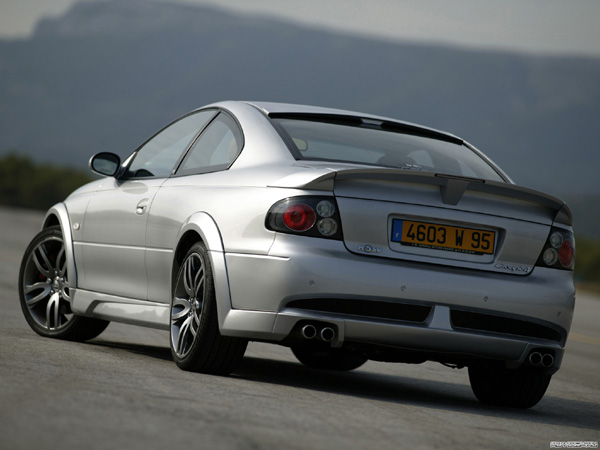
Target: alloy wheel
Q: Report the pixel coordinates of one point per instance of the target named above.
(46, 285)
(187, 305)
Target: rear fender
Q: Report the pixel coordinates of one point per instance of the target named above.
(204, 225)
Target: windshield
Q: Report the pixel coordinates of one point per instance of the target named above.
(379, 143)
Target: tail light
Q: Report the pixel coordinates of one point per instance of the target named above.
(559, 251)
(313, 216)
(299, 217)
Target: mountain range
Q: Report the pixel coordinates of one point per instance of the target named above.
(106, 74)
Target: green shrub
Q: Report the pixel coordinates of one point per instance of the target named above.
(25, 184)
(587, 260)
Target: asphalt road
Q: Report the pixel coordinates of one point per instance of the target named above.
(121, 391)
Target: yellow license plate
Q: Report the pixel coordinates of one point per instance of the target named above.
(443, 237)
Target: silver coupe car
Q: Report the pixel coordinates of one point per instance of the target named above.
(345, 236)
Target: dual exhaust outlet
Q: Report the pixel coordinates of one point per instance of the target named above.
(309, 331)
(538, 359)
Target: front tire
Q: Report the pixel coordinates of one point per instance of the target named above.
(196, 343)
(522, 388)
(45, 294)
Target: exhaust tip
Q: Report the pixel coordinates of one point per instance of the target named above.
(308, 332)
(327, 334)
(547, 360)
(535, 358)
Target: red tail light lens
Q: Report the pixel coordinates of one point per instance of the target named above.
(299, 217)
(566, 253)
(314, 216)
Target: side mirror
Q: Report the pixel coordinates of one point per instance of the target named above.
(106, 164)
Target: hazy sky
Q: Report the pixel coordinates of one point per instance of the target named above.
(541, 26)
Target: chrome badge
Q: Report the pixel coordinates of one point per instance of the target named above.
(524, 269)
(369, 248)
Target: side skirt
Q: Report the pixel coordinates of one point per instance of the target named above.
(120, 309)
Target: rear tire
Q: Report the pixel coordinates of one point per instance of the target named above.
(514, 388)
(196, 343)
(44, 291)
(328, 358)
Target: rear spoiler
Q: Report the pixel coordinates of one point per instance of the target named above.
(452, 188)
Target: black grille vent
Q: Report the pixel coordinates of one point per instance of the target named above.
(504, 325)
(364, 308)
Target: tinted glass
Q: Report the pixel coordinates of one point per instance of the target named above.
(215, 149)
(105, 164)
(158, 156)
(362, 143)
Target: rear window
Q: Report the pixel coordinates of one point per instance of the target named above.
(380, 143)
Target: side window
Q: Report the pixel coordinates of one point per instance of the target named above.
(157, 157)
(215, 149)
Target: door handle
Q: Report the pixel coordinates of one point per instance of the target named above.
(141, 207)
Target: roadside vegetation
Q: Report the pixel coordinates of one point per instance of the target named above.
(587, 263)
(25, 184)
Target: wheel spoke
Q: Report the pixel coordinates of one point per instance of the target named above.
(45, 290)
(61, 268)
(64, 292)
(193, 321)
(199, 283)
(47, 270)
(199, 278)
(53, 312)
(188, 277)
(184, 337)
(182, 306)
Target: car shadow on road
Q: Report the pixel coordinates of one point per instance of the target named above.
(414, 391)
(390, 388)
(153, 351)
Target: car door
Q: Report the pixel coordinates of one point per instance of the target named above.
(114, 226)
(193, 189)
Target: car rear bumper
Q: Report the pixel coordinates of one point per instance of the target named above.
(434, 341)
(411, 306)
